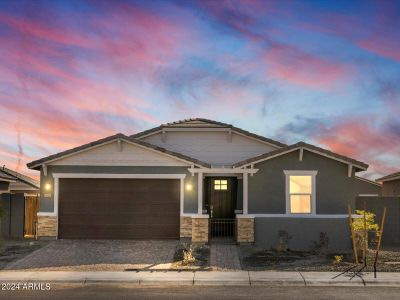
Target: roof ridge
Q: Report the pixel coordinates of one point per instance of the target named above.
(237, 129)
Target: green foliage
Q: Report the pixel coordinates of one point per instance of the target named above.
(338, 259)
(358, 223)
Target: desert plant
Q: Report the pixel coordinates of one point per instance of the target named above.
(188, 256)
(338, 259)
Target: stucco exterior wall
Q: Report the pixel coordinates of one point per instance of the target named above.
(211, 146)
(391, 229)
(304, 233)
(391, 188)
(47, 198)
(4, 186)
(334, 189)
(366, 188)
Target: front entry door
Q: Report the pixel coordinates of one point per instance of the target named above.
(221, 201)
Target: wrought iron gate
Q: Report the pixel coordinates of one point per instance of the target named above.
(222, 229)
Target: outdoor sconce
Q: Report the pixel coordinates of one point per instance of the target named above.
(189, 187)
(47, 187)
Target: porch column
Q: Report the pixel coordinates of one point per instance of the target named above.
(245, 193)
(200, 193)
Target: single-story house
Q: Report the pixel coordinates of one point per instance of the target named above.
(390, 184)
(200, 179)
(19, 196)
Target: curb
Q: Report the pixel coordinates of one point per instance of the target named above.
(213, 278)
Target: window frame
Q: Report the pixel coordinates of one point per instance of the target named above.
(313, 175)
(220, 184)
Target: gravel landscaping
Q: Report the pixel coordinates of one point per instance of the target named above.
(99, 255)
(254, 259)
(13, 250)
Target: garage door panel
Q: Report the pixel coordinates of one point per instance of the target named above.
(123, 219)
(120, 232)
(119, 208)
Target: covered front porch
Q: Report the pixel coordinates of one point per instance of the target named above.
(222, 207)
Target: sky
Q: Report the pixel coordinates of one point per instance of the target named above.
(323, 72)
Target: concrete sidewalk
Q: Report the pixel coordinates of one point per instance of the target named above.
(244, 278)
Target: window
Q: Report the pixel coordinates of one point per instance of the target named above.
(220, 185)
(300, 189)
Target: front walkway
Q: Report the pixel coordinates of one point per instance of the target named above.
(99, 255)
(224, 257)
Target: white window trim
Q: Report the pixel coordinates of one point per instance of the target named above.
(313, 174)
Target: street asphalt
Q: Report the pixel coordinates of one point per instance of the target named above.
(129, 291)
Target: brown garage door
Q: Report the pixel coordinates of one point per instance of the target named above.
(119, 208)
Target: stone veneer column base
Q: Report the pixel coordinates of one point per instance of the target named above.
(47, 226)
(200, 229)
(245, 229)
(186, 227)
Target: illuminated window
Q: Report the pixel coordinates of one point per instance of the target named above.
(220, 185)
(300, 189)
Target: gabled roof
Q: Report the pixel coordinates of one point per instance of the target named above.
(119, 136)
(6, 177)
(16, 176)
(369, 181)
(206, 123)
(389, 177)
(312, 148)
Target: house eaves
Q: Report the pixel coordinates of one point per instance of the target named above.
(37, 163)
(302, 145)
(187, 123)
(393, 176)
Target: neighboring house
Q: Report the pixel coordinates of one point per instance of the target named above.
(196, 179)
(19, 200)
(391, 184)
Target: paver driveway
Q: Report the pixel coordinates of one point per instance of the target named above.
(99, 255)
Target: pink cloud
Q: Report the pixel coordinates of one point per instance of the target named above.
(305, 69)
(363, 140)
(51, 32)
(384, 46)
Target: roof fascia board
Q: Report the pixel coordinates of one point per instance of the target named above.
(113, 141)
(305, 148)
(74, 153)
(368, 181)
(389, 179)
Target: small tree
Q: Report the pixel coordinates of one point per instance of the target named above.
(358, 223)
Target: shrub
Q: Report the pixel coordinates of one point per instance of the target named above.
(358, 223)
(338, 259)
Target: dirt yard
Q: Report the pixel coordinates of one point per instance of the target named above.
(254, 259)
(13, 250)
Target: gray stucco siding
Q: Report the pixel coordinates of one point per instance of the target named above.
(4, 186)
(334, 189)
(364, 187)
(304, 233)
(47, 203)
